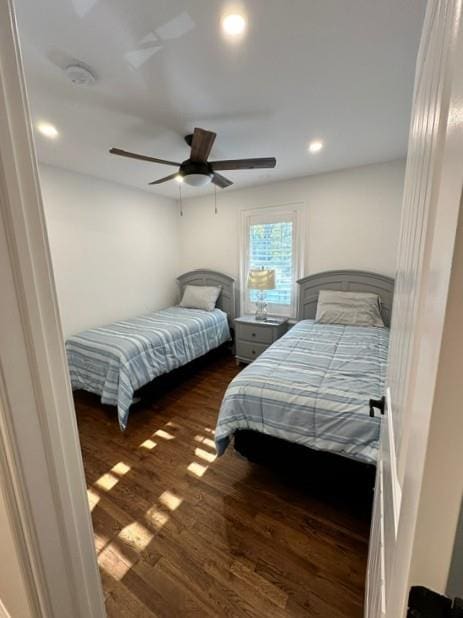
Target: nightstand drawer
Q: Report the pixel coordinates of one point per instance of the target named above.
(255, 332)
(248, 350)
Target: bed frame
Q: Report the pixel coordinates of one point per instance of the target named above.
(202, 276)
(299, 460)
(344, 281)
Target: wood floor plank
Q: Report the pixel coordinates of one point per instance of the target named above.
(121, 603)
(189, 568)
(179, 532)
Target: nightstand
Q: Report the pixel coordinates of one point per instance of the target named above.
(252, 336)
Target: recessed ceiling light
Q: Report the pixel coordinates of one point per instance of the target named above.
(48, 130)
(234, 25)
(315, 146)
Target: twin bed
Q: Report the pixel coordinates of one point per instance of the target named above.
(114, 361)
(312, 387)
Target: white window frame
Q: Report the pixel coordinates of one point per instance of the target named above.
(294, 212)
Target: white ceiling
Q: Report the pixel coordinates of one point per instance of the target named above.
(338, 70)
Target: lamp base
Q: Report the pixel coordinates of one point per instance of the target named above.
(261, 311)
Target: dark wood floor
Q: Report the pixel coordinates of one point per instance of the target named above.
(181, 533)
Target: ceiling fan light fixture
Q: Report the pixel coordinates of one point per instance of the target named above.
(179, 178)
(197, 180)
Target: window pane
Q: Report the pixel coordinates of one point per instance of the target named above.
(271, 246)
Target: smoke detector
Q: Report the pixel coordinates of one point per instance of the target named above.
(79, 75)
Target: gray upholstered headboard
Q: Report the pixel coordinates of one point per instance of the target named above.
(226, 300)
(344, 281)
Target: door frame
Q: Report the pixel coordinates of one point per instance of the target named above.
(41, 470)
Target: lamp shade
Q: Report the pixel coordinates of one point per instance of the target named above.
(261, 279)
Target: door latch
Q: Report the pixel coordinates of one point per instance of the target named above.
(377, 403)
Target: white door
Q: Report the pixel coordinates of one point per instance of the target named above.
(429, 221)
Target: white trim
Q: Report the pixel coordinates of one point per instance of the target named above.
(396, 488)
(295, 208)
(382, 557)
(41, 467)
(15, 503)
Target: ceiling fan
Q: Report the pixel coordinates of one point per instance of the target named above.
(197, 171)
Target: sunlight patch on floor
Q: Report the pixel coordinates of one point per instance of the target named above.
(156, 518)
(202, 454)
(107, 481)
(113, 562)
(170, 500)
(165, 435)
(101, 541)
(120, 468)
(93, 498)
(205, 441)
(148, 444)
(196, 468)
(136, 535)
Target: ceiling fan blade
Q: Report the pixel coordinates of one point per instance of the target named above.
(201, 144)
(165, 179)
(244, 164)
(221, 181)
(133, 155)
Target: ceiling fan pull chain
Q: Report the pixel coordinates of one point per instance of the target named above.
(215, 199)
(180, 199)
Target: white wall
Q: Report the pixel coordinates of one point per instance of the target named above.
(114, 249)
(352, 219)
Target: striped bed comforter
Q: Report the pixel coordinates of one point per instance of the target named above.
(115, 360)
(312, 387)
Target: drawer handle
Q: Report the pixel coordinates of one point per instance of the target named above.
(253, 334)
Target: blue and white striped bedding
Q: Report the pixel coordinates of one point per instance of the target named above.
(115, 360)
(312, 387)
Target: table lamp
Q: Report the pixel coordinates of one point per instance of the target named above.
(261, 279)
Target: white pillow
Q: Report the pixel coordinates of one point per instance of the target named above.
(349, 308)
(200, 297)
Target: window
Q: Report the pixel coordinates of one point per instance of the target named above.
(270, 240)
